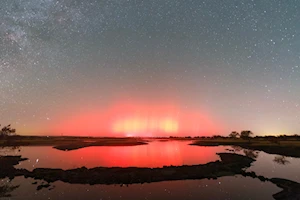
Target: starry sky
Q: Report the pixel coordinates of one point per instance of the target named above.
(190, 67)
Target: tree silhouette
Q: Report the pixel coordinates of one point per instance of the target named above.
(246, 134)
(7, 131)
(234, 134)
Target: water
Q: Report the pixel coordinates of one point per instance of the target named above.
(156, 154)
(233, 188)
(265, 165)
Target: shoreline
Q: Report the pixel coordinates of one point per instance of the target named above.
(281, 147)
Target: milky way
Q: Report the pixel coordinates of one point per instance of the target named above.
(238, 60)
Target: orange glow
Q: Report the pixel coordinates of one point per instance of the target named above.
(138, 120)
(143, 124)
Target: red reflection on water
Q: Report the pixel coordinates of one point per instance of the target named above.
(156, 154)
(126, 119)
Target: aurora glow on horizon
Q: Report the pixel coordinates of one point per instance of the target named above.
(136, 120)
(150, 68)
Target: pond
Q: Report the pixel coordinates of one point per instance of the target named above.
(155, 154)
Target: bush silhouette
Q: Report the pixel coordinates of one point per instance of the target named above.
(7, 131)
(234, 134)
(246, 134)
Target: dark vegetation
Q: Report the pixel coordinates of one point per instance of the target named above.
(282, 145)
(6, 134)
(68, 143)
(7, 131)
(108, 142)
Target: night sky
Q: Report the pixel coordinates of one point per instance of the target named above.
(109, 67)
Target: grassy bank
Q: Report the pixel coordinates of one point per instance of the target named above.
(282, 147)
(69, 143)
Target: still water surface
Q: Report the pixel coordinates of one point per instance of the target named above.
(156, 154)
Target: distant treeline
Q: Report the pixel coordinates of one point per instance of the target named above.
(268, 137)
